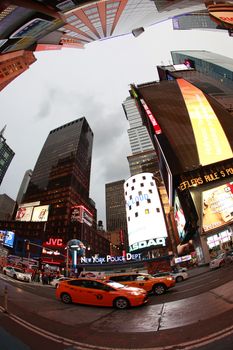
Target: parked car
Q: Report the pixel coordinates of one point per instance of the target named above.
(221, 260)
(56, 281)
(100, 293)
(156, 285)
(178, 276)
(16, 273)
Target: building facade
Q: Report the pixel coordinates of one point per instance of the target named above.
(193, 133)
(58, 189)
(7, 206)
(6, 155)
(13, 64)
(212, 72)
(73, 23)
(24, 186)
(116, 214)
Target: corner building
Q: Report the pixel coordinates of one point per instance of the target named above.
(193, 138)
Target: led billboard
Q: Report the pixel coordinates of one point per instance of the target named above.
(8, 239)
(217, 207)
(211, 141)
(81, 214)
(145, 218)
(40, 213)
(24, 213)
(179, 218)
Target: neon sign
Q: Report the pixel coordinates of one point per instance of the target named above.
(156, 126)
(110, 259)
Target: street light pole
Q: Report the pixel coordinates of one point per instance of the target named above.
(67, 261)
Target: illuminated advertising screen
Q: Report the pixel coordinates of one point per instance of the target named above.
(87, 217)
(81, 214)
(211, 141)
(24, 213)
(76, 214)
(145, 218)
(40, 213)
(179, 217)
(217, 207)
(9, 239)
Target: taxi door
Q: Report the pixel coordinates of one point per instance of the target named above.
(94, 293)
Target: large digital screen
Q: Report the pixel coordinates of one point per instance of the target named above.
(211, 141)
(81, 214)
(40, 213)
(8, 239)
(24, 213)
(217, 206)
(179, 217)
(145, 217)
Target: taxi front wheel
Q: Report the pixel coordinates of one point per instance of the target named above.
(159, 289)
(121, 303)
(66, 298)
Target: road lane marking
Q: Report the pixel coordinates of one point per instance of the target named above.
(82, 346)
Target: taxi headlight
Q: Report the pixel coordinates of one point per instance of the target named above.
(170, 278)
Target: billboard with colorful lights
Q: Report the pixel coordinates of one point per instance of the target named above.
(81, 214)
(217, 207)
(40, 213)
(145, 217)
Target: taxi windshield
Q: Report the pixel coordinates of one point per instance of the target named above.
(115, 284)
(18, 270)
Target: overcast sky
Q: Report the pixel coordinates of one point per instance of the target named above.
(64, 85)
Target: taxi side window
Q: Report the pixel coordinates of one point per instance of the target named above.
(122, 278)
(75, 283)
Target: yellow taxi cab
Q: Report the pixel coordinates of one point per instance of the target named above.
(157, 285)
(101, 293)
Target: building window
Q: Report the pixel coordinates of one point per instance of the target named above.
(152, 183)
(147, 211)
(157, 210)
(136, 214)
(130, 197)
(130, 207)
(128, 218)
(132, 188)
(142, 184)
(140, 193)
(137, 204)
(134, 180)
(143, 178)
(150, 191)
(148, 200)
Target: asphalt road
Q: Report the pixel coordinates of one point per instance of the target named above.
(185, 289)
(38, 329)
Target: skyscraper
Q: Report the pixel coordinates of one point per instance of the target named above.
(194, 20)
(6, 155)
(24, 186)
(61, 176)
(116, 211)
(143, 156)
(78, 23)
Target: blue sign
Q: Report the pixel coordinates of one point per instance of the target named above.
(9, 239)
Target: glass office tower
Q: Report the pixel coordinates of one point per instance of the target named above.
(61, 176)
